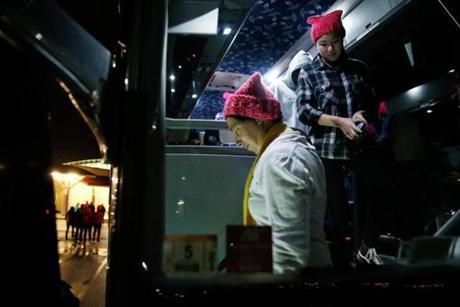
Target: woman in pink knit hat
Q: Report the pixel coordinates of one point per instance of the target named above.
(285, 188)
(335, 97)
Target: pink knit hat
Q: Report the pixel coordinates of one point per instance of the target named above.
(328, 23)
(252, 100)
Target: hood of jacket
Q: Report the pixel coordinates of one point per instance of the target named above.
(302, 57)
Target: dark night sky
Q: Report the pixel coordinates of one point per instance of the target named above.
(99, 17)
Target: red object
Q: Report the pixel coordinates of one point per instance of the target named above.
(328, 23)
(252, 100)
(382, 111)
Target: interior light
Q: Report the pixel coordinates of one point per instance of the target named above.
(227, 31)
(414, 92)
(172, 77)
(410, 54)
(194, 95)
(173, 90)
(271, 76)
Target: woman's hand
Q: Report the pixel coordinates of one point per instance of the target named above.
(348, 127)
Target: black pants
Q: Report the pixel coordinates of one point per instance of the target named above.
(337, 199)
(96, 232)
(370, 191)
(374, 205)
(337, 211)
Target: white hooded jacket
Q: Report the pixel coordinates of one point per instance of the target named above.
(284, 90)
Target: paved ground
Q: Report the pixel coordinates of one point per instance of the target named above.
(83, 266)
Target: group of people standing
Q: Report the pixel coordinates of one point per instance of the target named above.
(306, 134)
(84, 222)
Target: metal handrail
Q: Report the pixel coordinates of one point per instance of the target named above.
(173, 123)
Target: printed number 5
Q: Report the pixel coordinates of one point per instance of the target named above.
(188, 251)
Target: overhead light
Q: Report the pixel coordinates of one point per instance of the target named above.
(227, 31)
(173, 90)
(172, 77)
(194, 95)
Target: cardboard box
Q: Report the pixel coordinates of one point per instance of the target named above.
(249, 249)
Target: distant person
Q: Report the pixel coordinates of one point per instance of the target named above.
(88, 212)
(78, 223)
(336, 98)
(285, 188)
(284, 90)
(97, 222)
(70, 222)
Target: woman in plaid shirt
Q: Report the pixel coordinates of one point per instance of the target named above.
(333, 95)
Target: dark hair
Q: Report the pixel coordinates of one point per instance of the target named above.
(341, 32)
(242, 118)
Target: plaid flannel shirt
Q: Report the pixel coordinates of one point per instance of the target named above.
(340, 91)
